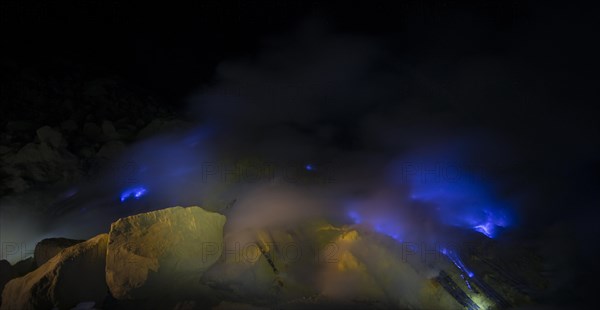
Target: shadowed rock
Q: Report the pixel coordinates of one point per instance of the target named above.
(24, 267)
(6, 274)
(48, 248)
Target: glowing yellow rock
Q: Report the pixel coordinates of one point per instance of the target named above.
(162, 252)
(347, 261)
(76, 274)
(350, 236)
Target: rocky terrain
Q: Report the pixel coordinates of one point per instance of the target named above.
(61, 127)
(66, 128)
(183, 258)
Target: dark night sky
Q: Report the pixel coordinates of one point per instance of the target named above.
(171, 49)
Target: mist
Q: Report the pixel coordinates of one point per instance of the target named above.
(352, 122)
(319, 126)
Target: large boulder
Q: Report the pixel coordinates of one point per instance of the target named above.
(51, 137)
(109, 131)
(111, 149)
(24, 267)
(39, 163)
(163, 252)
(244, 271)
(268, 265)
(342, 267)
(48, 248)
(162, 125)
(73, 276)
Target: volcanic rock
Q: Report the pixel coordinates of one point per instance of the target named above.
(15, 184)
(74, 275)
(48, 248)
(6, 274)
(50, 136)
(244, 271)
(4, 150)
(514, 272)
(6, 271)
(271, 264)
(111, 149)
(288, 266)
(44, 163)
(24, 267)
(162, 125)
(227, 305)
(109, 131)
(164, 252)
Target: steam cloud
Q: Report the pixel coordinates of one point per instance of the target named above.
(322, 125)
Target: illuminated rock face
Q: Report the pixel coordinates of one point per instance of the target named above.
(271, 265)
(162, 252)
(317, 264)
(76, 274)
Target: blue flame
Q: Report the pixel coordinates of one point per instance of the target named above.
(389, 229)
(464, 200)
(457, 261)
(381, 224)
(488, 229)
(135, 193)
(465, 204)
(354, 216)
(390, 226)
(467, 282)
(172, 166)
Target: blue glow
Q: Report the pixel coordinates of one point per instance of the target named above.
(390, 226)
(171, 167)
(467, 282)
(70, 193)
(355, 217)
(309, 167)
(464, 200)
(459, 264)
(389, 229)
(488, 229)
(457, 261)
(198, 135)
(383, 225)
(135, 193)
